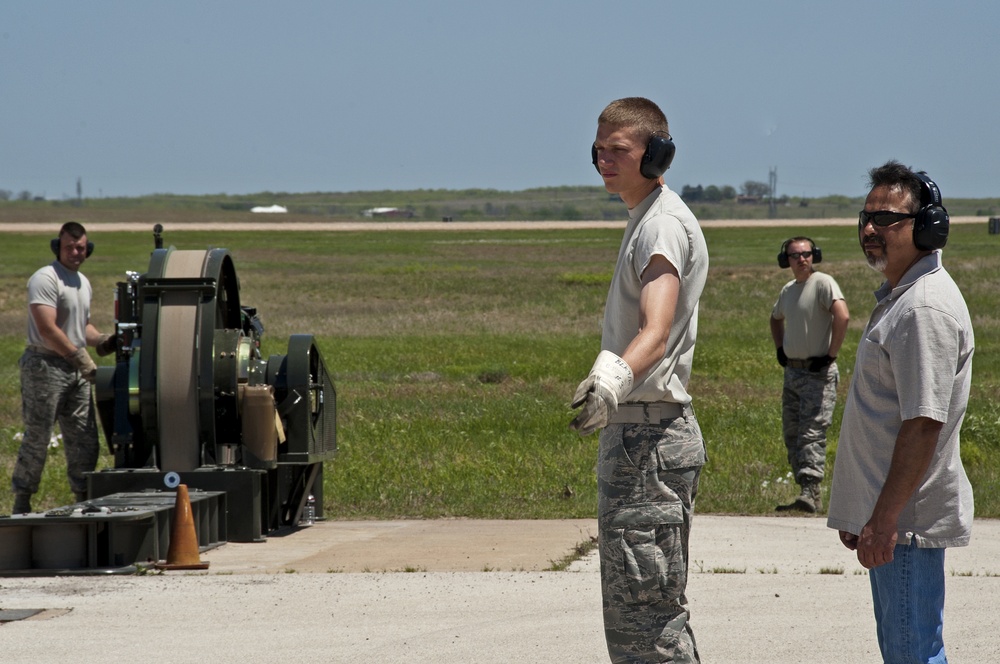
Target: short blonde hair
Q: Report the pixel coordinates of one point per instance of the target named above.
(637, 113)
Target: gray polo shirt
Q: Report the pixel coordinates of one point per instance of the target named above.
(914, 360)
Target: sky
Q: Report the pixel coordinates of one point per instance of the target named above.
(134, 97)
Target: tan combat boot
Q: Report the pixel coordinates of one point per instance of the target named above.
(809, 499)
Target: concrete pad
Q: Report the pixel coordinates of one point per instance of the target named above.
(438, 545)
(779, 590)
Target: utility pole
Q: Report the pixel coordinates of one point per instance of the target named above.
(772, 181)
(79, 191)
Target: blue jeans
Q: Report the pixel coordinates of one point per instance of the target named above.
(908, 595)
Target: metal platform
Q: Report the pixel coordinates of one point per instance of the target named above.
(116, 534)
(249, 495)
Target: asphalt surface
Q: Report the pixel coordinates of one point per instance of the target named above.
(762, 589)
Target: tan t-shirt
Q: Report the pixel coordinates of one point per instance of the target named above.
(66, 291)
(805, 308)
(660, 225)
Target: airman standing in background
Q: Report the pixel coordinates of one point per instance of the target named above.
(57, 371)
(808, 325)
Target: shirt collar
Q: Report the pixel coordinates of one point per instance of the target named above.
(642, 208)
(927, 265)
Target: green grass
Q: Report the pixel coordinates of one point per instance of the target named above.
(542, 203)
(455, 355)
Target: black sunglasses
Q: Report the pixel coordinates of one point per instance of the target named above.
(795, 255)
(882, 218)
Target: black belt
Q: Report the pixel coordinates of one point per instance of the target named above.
(42, 350)
(798, 364)
(649, 412)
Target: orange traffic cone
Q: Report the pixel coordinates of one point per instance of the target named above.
(183, 550)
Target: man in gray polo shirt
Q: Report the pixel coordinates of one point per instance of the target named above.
(900, 495)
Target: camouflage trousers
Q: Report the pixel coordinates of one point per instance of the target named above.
(52, 391)
(647, 477)
(807, 403)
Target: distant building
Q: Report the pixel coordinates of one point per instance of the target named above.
(387, 212)
(269, 209)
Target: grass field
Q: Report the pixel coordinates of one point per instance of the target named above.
(455, 355)
(543, 203)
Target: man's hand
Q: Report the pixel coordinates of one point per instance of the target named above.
(782, 358)
(610, 380)
(876, 543)
(850, 540)
(915, 445)
(106, 345)
(818, 363)
(80, 359)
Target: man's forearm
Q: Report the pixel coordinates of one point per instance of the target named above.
(93, 335)
(911, 457)
(912, 454)
(643, 353)
(778, 332)
(58, 342)
(841, 318)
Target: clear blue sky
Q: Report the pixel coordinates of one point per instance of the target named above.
(138, 97)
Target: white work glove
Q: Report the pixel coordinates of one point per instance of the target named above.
(80, 359)
(600, 393)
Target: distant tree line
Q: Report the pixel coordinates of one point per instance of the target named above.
(7, 195)
(750, 189)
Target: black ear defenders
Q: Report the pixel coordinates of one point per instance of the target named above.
(659, 153)
(817, 253)
(931, 224)
(54, 245)
(655, 160)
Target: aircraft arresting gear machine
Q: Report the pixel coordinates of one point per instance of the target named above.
(190, 400)
(190, 394)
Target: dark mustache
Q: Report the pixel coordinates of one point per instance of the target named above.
(872, 238)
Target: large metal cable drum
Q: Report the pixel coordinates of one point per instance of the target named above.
(190, 296)
(190, 396)
(177, 367)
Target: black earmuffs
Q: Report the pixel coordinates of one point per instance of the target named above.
(55, 246)
(931, 223)
(817, 253)
(655, 160)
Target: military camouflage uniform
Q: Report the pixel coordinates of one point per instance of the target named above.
(52, 390)
(647, 482)
(808, 321)
(647, 473)
(807, 403)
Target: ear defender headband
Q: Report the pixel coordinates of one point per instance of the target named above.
(655, 160)
(931, 223)
(783, 262)
(55, 245)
